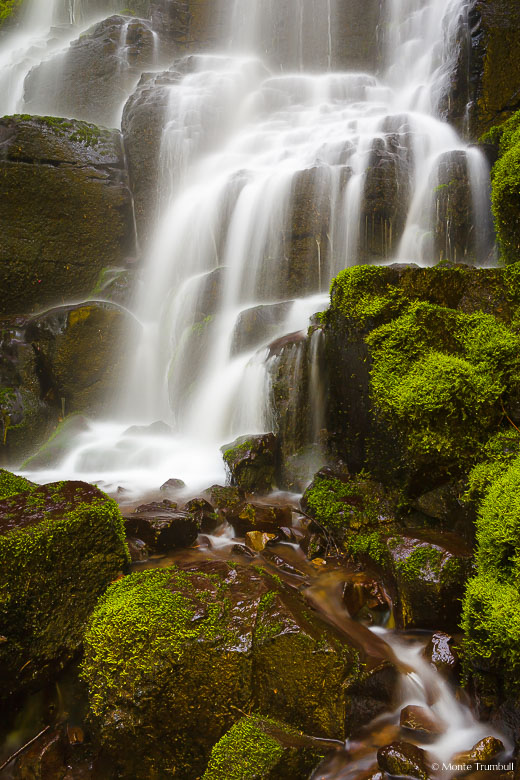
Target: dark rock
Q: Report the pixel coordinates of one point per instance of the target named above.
(242, 550)
(158, 428)
(203, 513)
(258, 325)
(138, 549)
(386, 195)
(96, 73)
(373, 694)
(402, 759)
(210, 624)
(486, 750)
(44, 759)
(60, 547)
(441, 654)
(252, 516)
(163, 527)
(53, 172)
(225, 499)
(366, 599)
(251, 462)
(79, 354)
(173, 484)
(421, 723)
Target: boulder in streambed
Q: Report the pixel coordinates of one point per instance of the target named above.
(254, 516)
(420, 723)
(60, 546)
(53, 173)
(403, 759)
(172, 655)
(161, 526)
(262, 747)
(250, 461)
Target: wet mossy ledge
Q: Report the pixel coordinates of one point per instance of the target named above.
(60, 547)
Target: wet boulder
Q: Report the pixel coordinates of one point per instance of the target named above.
(258, 540)
(403, 759)
(250, 461)
(258, 325)
(173, 655)
(161, 526)
(52, 173)
(60, 546)
(484, 751)
(203, 513)
(253, 516)
(80, 354)
(262, 747)
(455, 235)
(420, 723)
(366, 599)
(340, 503)
(96, 73)
(442, 655)
(427, 573)
(224, 498)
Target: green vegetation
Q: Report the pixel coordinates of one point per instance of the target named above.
(11, 484)
(491, 606)
(339, 506)
(506, 187)
(8, 9)
(371, 546)
(422, 561)
(246, 752)
(364, 293)
(60, 546)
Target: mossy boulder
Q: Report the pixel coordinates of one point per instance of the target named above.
(60, 546)
(53, 173)
(262, 747)
(170, 654)
(251, 462)
(340, 503)
(421, 373)
(505, 196)
(11, 484)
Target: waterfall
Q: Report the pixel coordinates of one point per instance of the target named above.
(278, 168)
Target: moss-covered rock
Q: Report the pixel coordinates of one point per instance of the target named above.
(505, 195)
(340, 503)
(65, 209)
(262, 747)
(11, 484)
(60, 546)
(251, 462)
(421, 374)
(170, 654)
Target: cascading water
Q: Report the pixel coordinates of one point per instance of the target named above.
(246, 148)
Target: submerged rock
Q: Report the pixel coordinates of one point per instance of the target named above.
(170, 655)
(261, 747)
(251, 462)
(60, 546)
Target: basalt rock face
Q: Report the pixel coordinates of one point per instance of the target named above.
(95, 74)
(54, 174)
(488, 73)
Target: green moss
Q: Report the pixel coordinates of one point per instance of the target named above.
(339, 506)
(246, 752)
(8, 9)
(491, 624)
(61, 546)
(419, 563)
(439, 375)
(371, 546)
(363, 292)
(11, 484)
(497, 455)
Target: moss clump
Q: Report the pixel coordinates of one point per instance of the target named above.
(371, 546)
(491, 625)
(420, 563)
(259, 747)
(491, 605)
(342, 505)
(11, 484)
(365, 294)
(439, 376)
(60, 546)
(497, 455)
(505, 197)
